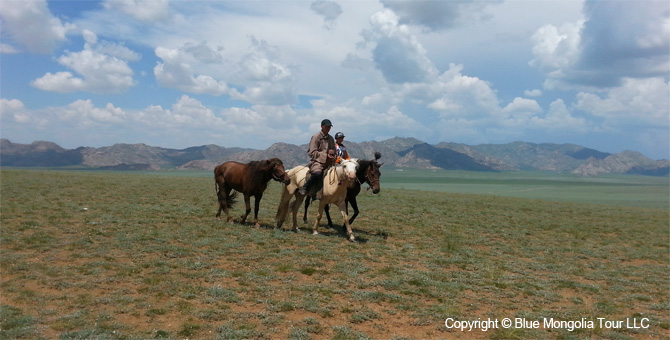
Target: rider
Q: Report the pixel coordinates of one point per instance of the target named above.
(321, 152)
(340, 150)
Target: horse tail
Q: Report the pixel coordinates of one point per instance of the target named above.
(230, 199)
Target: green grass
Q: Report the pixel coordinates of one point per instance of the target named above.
(139, 255)
(625, 190)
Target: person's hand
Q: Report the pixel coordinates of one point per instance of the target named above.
(331, 154)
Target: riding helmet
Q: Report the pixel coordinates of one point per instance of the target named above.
(338, 135)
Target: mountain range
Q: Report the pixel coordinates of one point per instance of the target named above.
(396, 152)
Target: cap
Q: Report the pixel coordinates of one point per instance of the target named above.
(326, 122)
(338, 135)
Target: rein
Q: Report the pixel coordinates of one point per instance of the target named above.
(339, 172)
(370, 182)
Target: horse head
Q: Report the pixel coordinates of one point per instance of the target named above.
(350, 166)
(278, 172)
(372, 173)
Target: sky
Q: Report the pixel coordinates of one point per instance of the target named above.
(252, 73)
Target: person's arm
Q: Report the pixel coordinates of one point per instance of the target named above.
(313, 150)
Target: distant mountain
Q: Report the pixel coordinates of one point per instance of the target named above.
(40, 153)
(626, 162)
(428, 156)
(290, 154)
(397, 152)
(531, 156)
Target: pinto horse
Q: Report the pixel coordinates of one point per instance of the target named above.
(250, 179)
(368, 172)
(336, 179)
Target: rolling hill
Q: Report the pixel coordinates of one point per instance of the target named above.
(396, 152)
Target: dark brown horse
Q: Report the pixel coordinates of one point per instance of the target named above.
(368, 172)
(250, 179)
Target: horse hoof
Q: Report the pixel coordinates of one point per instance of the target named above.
(352, 239)
(315, 233)
(257, 225)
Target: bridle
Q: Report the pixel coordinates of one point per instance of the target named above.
(274, 175)
(367, 178)
(338, 167)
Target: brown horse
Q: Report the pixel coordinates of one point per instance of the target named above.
(368, 172)
(250, 179)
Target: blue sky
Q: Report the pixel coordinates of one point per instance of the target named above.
(251, 73)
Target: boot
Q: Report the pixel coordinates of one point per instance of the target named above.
(303, 189)
(313, 184)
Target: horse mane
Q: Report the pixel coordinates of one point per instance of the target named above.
(362, 168)
(363, 165)
(260, 172)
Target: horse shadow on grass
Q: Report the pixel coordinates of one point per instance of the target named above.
(327, 231)
(324, 230)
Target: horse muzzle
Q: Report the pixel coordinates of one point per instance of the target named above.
(286, 179)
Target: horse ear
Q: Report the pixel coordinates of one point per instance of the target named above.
(380, 164)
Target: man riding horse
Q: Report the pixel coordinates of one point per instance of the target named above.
(321, 152)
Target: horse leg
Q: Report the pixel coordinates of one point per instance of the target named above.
(327, 210)
(354, 205)
(315, 229)
(247, 201)
(343, 210)
(257, 203)
(280, 217)
(308, 199)
(295, 206)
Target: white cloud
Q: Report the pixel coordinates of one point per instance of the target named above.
(329, 10)
(635, 102)
(464, 96)
(15, 110)
(85, 114)
(435, 70)
(522, 107)
(396, 52)
(176, 71)
(438, 15)
(186, 113)
(142, 10)
(556, 48)
(30, 24)
(357, 124)
(7, 49)
(266, 80)
(615, 40)
(533, 93)
(103, 68)
(559, 118)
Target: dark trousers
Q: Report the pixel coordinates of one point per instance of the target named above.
(314, 183)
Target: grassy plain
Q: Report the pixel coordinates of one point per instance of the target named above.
(626, 190)
(132, 256)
